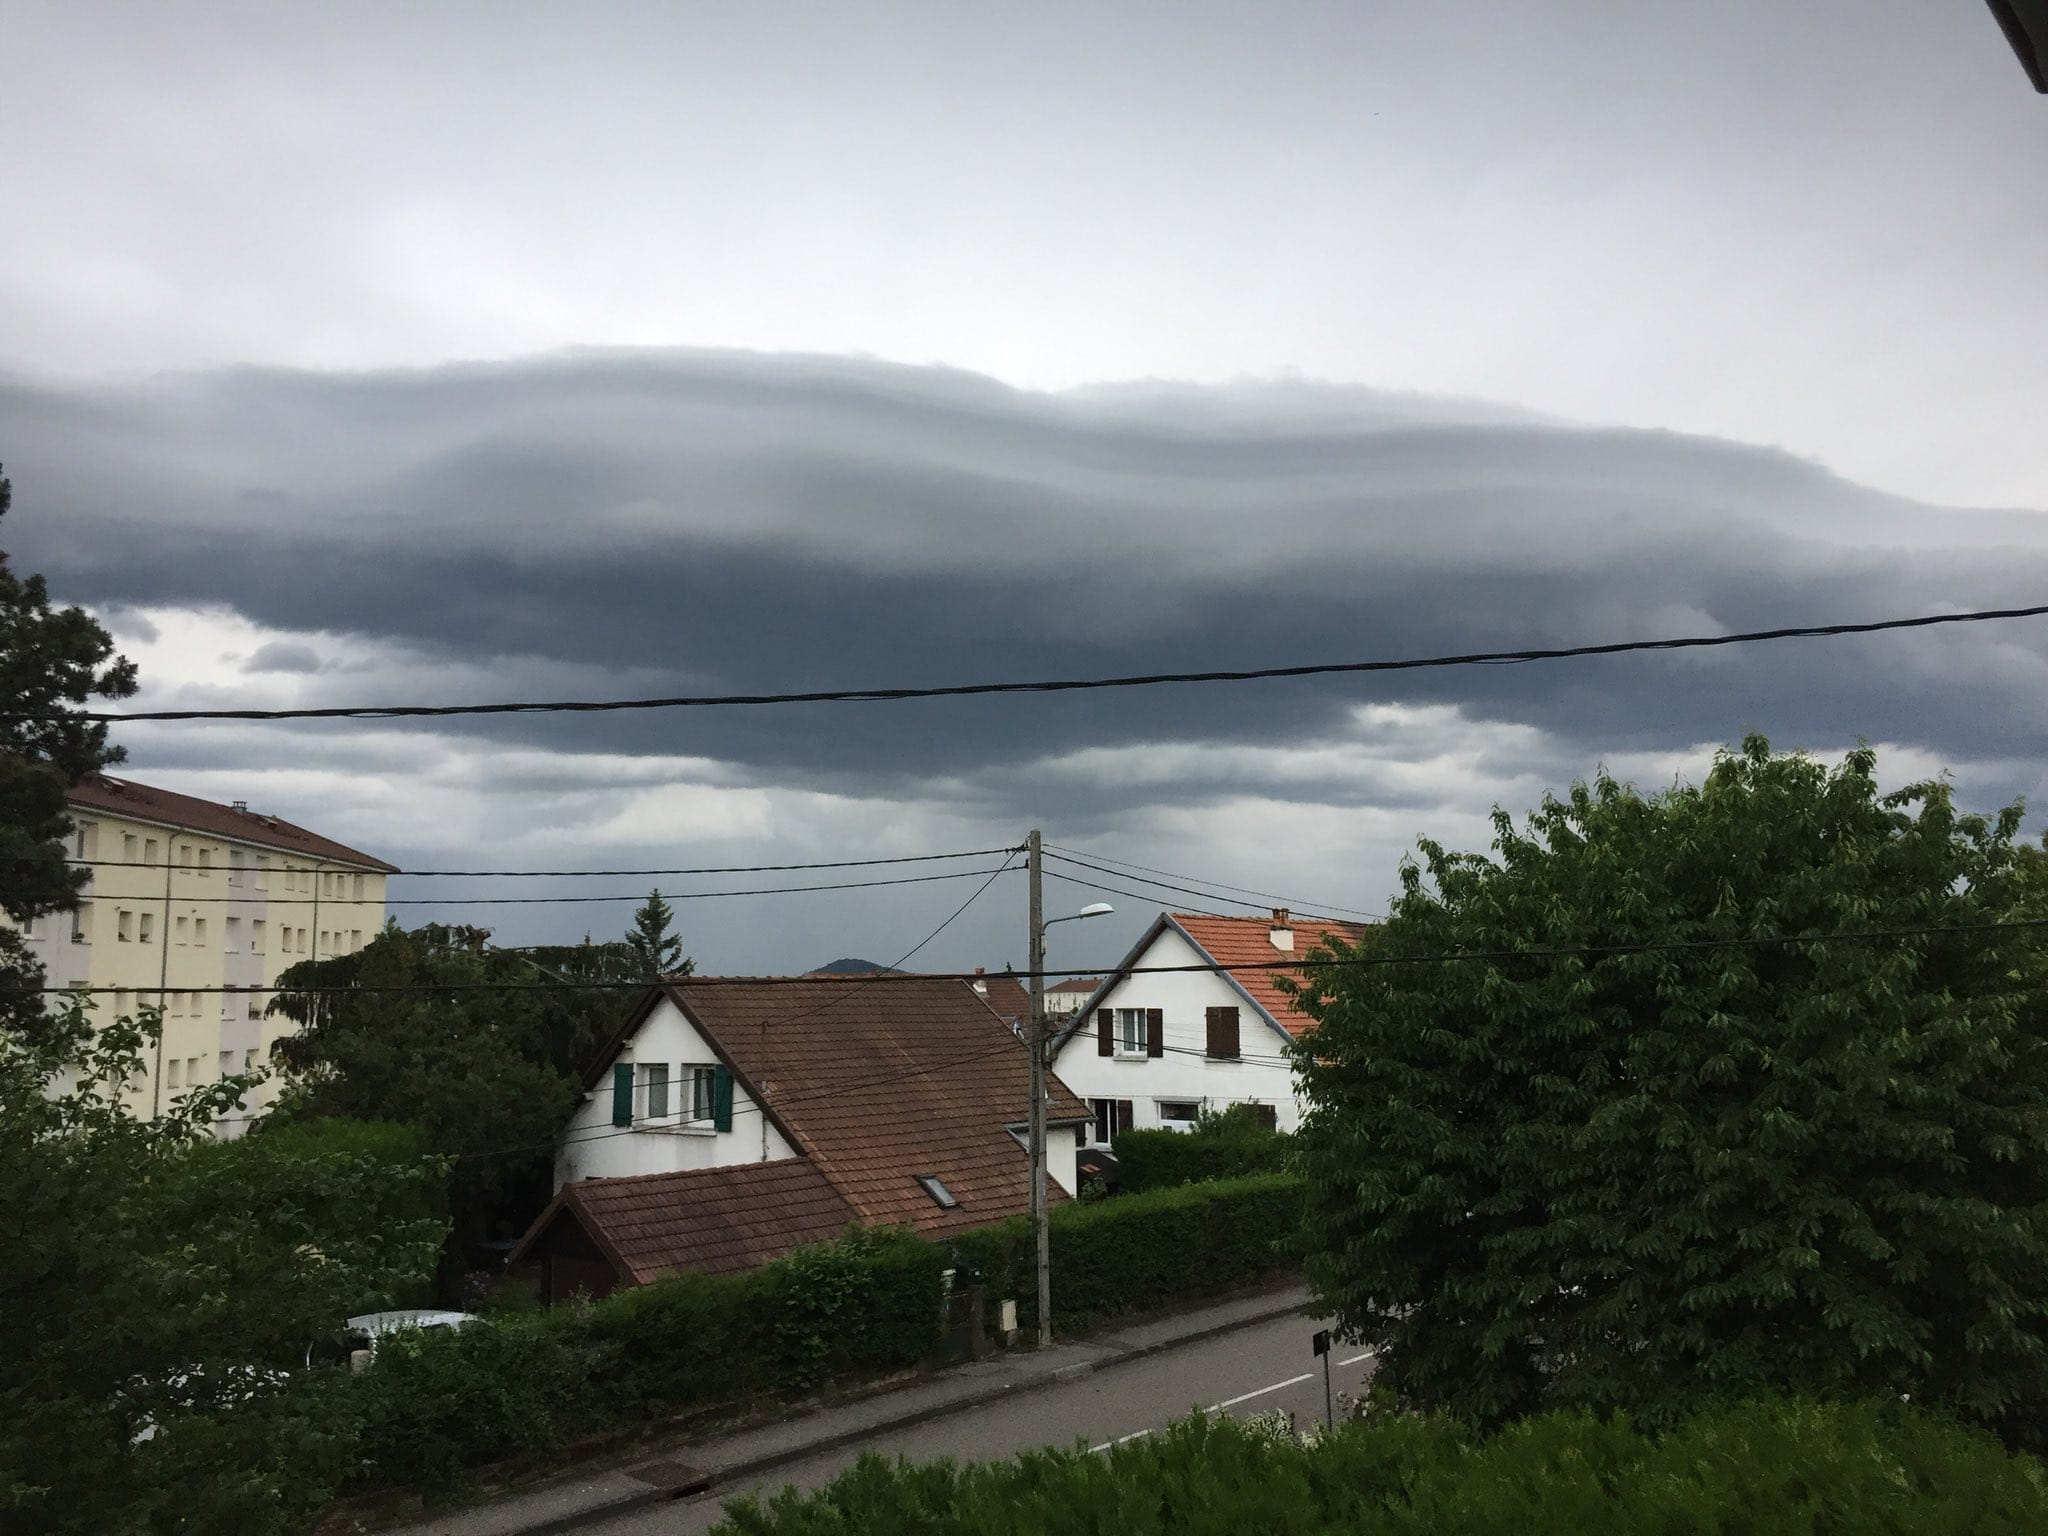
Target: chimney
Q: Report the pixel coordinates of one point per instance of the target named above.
(240, 805)
(1281, 933)
(980, 986)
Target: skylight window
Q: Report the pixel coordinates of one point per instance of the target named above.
(934, 1186)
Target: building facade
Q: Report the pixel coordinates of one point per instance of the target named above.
(186, 897)
(1155, 1050)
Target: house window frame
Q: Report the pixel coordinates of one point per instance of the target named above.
(653, 1087)
(1177, 1122)
(1129, 1046)
(703, 1085)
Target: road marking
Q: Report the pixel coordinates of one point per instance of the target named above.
(1232, 1402)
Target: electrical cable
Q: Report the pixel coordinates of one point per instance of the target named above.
(528, 874)
(1293, 903)
(150, 900)
(1045, 685)
(1184, 890)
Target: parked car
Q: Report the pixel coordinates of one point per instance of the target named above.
(356, 1344)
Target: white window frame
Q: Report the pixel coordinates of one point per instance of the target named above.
(703, 1087)
(1174, 1122)
(1125, 1018)
(653, 1076)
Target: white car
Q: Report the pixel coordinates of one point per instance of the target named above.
(357, 1342)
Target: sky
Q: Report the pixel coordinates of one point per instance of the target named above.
(384, 353)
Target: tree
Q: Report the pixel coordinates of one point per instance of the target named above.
(478, 1072)
(159, 1287)
(52, 662)
(657, 951)
(1698, 1165)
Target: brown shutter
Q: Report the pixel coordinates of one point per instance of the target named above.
(1105, 1032)
(1123, 1114)
(1223, 1033)
(1155, 1032)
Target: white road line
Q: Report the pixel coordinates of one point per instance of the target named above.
(1232, 1402)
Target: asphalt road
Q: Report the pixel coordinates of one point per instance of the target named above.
(1253, 1370)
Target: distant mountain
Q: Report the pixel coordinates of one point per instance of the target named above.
(852, 967)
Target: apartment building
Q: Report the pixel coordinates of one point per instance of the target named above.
(187, 896)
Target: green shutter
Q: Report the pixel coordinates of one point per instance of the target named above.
(622, 1094)
(721, 1098)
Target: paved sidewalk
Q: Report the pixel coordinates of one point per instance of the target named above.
(659, 1472)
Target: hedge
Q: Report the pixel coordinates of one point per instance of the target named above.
(1149, 1160)
(1761, 1466)
(1138, 1251)
(867, 1305)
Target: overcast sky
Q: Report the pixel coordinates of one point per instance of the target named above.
(429, 352)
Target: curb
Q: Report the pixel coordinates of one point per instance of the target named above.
(768, 1461)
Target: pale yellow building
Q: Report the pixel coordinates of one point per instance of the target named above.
(187, 895)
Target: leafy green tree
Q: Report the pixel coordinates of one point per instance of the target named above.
(477, 1071)
(52, 661)
(1697, 1166)
(657, 951)
(159, 1287)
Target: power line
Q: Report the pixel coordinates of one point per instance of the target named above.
(152, 899)
(1044, 685)
(528, 874)
(1299, 963)
(1184, 890)
(1296, 903)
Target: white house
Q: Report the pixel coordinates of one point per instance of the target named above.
(1155, 1050)
(731, 1118)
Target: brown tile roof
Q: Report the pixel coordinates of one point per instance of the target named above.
(1080, 986)
(1008, 999)
(124, 797)
(881, 1078)
(1244, 941)
(711, 1219)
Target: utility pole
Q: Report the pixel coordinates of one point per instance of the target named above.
(1040, 1233)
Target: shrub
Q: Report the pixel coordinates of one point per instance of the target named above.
(1690, 1165)
(1761, 1466)
(1221, 1146)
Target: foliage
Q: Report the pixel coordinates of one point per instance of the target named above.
(1221, 1146)
(478, 1072)
(865, 1305)
(1645, 1178)
(1767, 1466)
(158, 1285)
(657, 951)
(862, 1306)
(1113, 1257)
(53, 661)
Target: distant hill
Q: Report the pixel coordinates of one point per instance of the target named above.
(852, 967)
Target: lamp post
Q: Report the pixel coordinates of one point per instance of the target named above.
(1041, 1234)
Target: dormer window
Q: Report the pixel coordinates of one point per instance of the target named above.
(934, 1186)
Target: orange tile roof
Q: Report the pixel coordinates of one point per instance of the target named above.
(711, 1219)
(1244, 941)
(880, 1078)
(124, 797)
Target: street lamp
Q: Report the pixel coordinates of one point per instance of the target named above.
(1041, 1235)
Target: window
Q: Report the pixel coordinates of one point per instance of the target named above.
(227, 1063)
(172, 1072)
(131, 848)
(302, 941)
(181, 929)
(1111, 1116)
(262, 871)
(324, 939)
(654, 1089)
(256, 927)
(206, 860)
(81, 923)
(1268, 1115)
(149, 850)
(238, 868)
(703, 1082)
(148, 929)
(934, 1186)
(356, 887)
(124, 925)
(191, 1070)
(234, 936)
(1179, 1114)
(185, 853)
(121, 1003)
(1132, 1038)
(248, 1061)
(198, 930)
(255, 1006)
(78, 838)
(355, 938)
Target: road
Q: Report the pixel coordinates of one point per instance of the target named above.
(1252, 1370)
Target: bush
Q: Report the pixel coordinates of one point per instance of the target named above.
(1223, 1146)
(1761, 1466)
(1116, 1256)
(1689, 1165)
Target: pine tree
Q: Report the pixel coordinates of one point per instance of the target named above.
(656, 951)
(52, 661)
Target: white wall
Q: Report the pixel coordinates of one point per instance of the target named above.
(594, 1148)
(1184, 1072)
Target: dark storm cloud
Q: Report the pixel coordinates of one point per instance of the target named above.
(728, 523)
